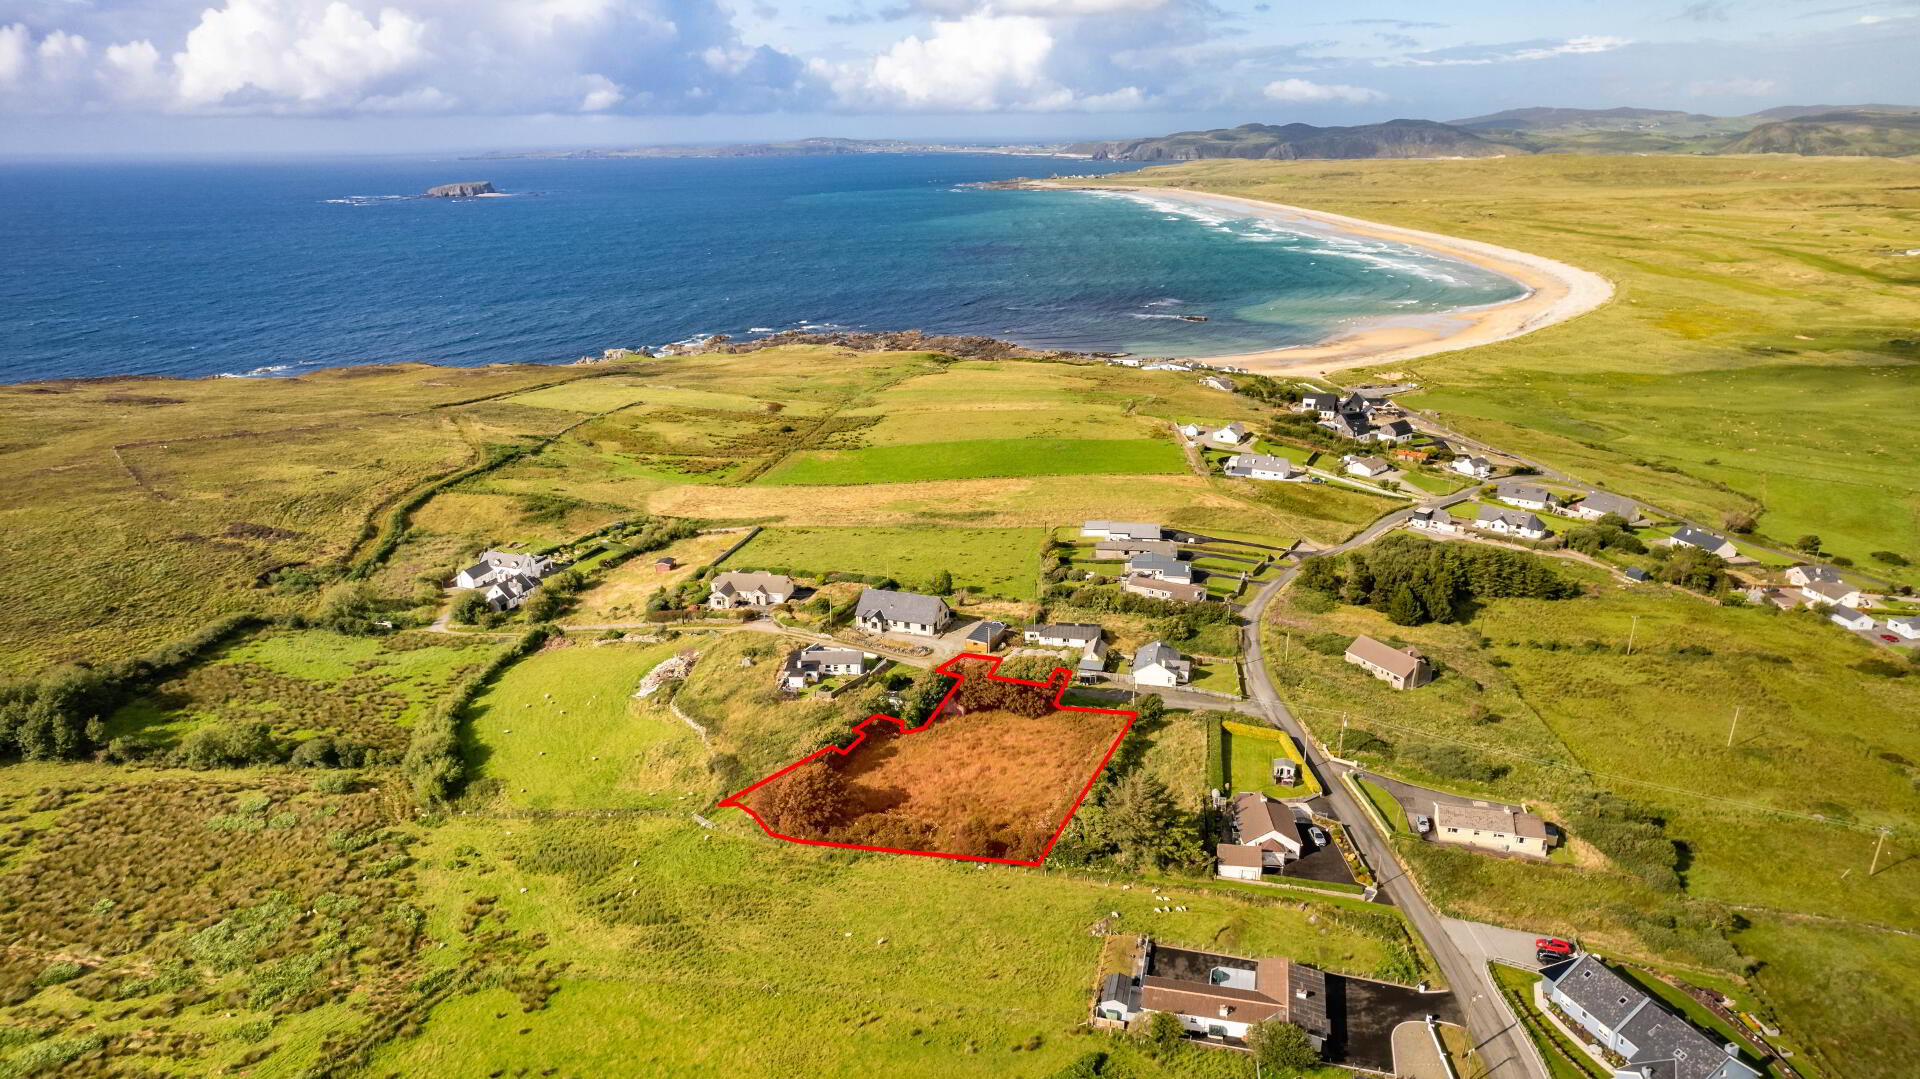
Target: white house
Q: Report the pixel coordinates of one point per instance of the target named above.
(1436, 519)
(1348, 425)
(1323, 405)
(1192, 432)
(1233, 434)
(1259, 466)
(1656, 1043)
(1526, 495)
(510, 591)
(1160, 567)
(1510, 523)
(881, 611)
(1838, 593)
(806, 666)
(1401, 668)
(1478, 467)
(1808, 573)
(1393, 431)
(1122, 530)
(1490, 827)
(1702, 539)
(507, 577)
(1160, 664)
(1107, 550)
(1599, 504)
(1908, 626)
(1219, 997)
(1851, 619)
(1368, 467)
(1154, 588)
(728, 591)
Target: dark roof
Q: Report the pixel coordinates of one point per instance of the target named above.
(1530, 492)
(1599, 991)
(1602, 502)
(987, 631)
(478, 569)
(1636, 574)
(1318, 401)
(901, 607)
(1067, 631)
(1307, 1000)
(1698, 537)
(1671, 1047)
(1120, 987)
(1157, 653)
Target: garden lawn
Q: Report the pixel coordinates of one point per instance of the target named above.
(1250, 752)
(995, 561)
(1388, 806)
(987, 457)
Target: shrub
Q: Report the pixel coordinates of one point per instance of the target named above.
(56, 973)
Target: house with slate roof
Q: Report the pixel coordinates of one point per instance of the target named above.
(1259, 466)
(1233, 434)
(730, 591)
(1510, 523)
(807, 666)
(1907, 626)
(1368, 467)
(1710, 542)
(1600, 503)
(1062, 635)
(1127, 548)
(1656, 1043)
(1393, 431)
(1851, 619)
(1322, 404)
(1836, 592)
(1158, 663)
(1154, 588)
(1124, 530)
(1348, 425)
(1161, 568)
(1526, 495)
(882, 611)
(1478, 467)
(1436, 519)
(508, 578)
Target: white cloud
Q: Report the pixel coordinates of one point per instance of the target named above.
(957, 8)
(331, 57)
(975, 63)
(1574, 46)
(1300, 90)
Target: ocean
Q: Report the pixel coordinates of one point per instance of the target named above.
(270, 268)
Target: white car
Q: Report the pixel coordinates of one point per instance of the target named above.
(1422, 824)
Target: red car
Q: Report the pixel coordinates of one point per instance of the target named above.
(1554, 945)
(1889, 638)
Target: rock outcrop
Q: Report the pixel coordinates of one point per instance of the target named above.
(461, 191)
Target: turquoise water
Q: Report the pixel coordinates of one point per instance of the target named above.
(270, 268)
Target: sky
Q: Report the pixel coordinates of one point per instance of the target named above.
(404, 76)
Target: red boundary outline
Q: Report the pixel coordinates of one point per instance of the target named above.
(993, 669)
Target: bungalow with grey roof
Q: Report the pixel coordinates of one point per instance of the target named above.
(1393, 431)
(1160, 567)
(740, 589)
(1366, 466)
(1324, 404)
(1401, 668)
(806, 666)
(1809, 572)
(1837, 592)
(1510, 523)
(1490, 827)
(1624, 1019)
(1126, 530)
(507, 577)
(1063, 634)
(1436, 519)
(1851, 619)
(883, 611)
(1110, 549)
(1600, 503)
(1478, 467)
(1529, 495)
(1233, 434)
(1158, 663)
(1154, 588)
(1259, 466)
(1700, 538)
(1347, 425)
(1907, 626)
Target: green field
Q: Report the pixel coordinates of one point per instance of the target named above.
(994, 561)
(987, 457)
(1385, 804)
(1760, 341)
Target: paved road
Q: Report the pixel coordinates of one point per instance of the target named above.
(1483, 943)
(1502, 1045)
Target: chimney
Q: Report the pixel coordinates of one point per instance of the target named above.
(1225, 1010)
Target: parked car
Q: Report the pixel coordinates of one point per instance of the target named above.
(1318, 835)
(1889, 638)
(1422, 824)
(1555, 945)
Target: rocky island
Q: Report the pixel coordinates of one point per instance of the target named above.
(461, 191)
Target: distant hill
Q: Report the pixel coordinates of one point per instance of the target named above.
(1395, 138)
(1795, 112)
(1845, 133)
(1553, 119)
(790, 148)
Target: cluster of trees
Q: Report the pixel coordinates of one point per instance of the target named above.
(1413, 581)
(1609, 533)
(1633, 838)
(1690, 567)
(59, 715)
(1267, 390)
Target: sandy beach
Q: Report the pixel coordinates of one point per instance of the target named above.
(1555, 291)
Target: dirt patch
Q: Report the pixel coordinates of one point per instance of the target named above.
(994, 776)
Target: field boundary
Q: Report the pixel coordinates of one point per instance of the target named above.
(861, 730)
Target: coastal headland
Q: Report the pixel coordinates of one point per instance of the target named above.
(1555, 293)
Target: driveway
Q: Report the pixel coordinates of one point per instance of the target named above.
(1486, 943)
(1369, 1011)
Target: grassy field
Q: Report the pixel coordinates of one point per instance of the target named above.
(1386, 804)
(1760, 342)
(985, 457)
(994, 561)
(1532, 690)
(1250, 752)
(303, 683)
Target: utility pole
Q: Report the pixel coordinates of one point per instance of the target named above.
(1343, 737)
(1631, 631)
(1882, 842)
(1731, 726)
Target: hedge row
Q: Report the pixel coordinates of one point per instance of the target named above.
(433, 764)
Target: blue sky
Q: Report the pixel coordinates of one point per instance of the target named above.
(131, 76)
